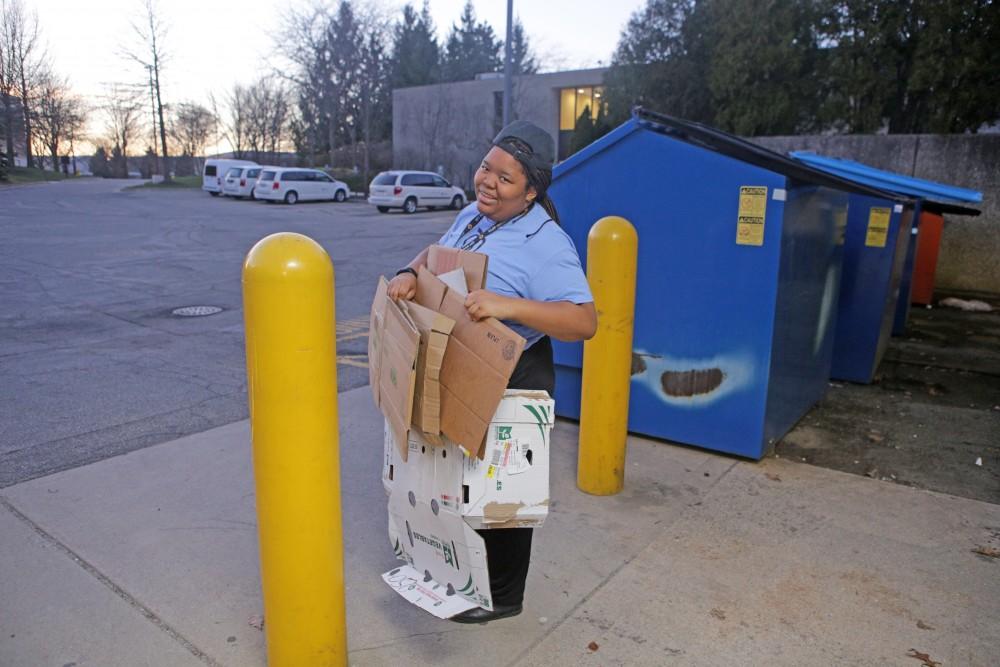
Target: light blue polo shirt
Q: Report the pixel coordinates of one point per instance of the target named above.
(530, 258)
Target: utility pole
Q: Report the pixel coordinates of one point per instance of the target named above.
(152, 102)
(507, 64)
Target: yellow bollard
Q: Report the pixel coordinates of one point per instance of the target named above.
(612, 246)
(288, 302)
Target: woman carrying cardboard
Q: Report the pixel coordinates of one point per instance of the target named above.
(535, 285)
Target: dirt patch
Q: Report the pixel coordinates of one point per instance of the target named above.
(931, 417)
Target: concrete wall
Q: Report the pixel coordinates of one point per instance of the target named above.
(970, 247)
(449, 126)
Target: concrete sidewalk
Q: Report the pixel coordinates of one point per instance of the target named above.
(151, 559)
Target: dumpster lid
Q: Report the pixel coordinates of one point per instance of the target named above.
(890, 180)
(745, 151)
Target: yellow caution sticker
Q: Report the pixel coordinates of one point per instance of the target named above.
(878, 227)
(750, 218)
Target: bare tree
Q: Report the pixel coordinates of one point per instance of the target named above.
(267, 113)
(8, 77)
(122, 108)
(22, 63)
(373, 93)
(192, 125)
(58, 116)
(151, 32)
(235, 123)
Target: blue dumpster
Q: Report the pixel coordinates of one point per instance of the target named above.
(738, 275)
(875, 245)
(930, 197)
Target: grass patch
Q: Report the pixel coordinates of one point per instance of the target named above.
(25, 175)
(174, 183)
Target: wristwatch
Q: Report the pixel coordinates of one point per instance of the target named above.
(407, 270)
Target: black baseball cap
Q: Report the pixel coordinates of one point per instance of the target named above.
(541, 152)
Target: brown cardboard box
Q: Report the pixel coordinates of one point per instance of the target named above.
(478, 362)
(393, 347)
(434, 329)
(441, 259)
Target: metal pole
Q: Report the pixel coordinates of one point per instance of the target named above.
(507, 63)
(288, 301)
(612, 248)
(152, 104)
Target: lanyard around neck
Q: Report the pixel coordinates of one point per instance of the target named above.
(475, 242)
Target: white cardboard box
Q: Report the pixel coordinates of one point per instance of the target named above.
(439, 496)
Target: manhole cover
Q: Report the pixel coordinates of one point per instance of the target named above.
(196, 311)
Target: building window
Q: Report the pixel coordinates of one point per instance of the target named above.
(573, 103)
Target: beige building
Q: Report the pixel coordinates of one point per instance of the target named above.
(448, 127)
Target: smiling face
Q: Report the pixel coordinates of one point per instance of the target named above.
(502, 189)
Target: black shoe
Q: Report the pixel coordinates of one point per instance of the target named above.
(480, 615)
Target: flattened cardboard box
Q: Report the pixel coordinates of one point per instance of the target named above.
(434, 329)
(438, 497)
(478, 362)
(393, 345)
(509, 489)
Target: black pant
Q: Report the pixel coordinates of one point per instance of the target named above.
(508, 550)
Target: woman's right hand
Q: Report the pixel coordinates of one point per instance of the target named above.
(403, 286)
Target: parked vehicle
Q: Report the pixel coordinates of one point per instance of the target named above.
(292, 185)
(240, 181)
(214, 171)
(410, 190)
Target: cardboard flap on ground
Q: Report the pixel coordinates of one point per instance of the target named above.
(428, 595)
(398, 343)
(441, 259)
(438, 542)
(434, 329)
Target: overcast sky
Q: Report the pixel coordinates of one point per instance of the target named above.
(213, 45)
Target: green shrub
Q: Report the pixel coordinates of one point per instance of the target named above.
(354, 180)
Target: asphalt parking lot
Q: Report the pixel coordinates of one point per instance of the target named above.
(94, 363)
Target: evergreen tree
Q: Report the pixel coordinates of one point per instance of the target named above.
(910, 66)
(963, 90)
(118, 163)
(99, 163)
(522, 60)
(415, 54)
(472, 48)
(661, 63)
(763, 66)
(589, 128)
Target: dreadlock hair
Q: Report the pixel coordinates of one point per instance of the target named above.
(539, 178)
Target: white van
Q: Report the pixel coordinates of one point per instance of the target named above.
(215, 170)
(294, 184)
(240, 181)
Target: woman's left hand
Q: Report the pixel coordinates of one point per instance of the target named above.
(483, 303)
